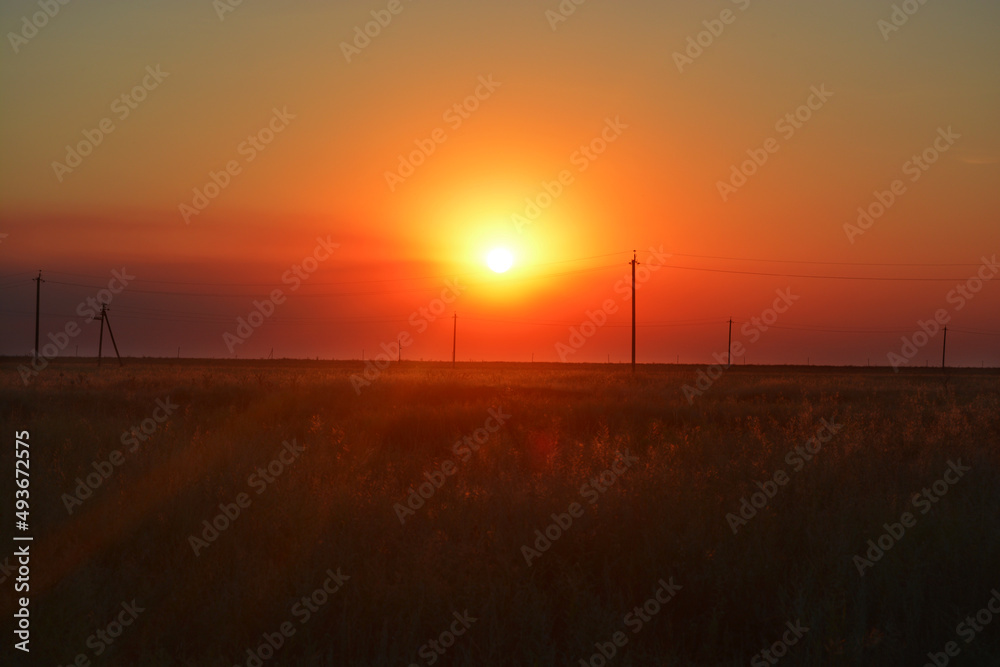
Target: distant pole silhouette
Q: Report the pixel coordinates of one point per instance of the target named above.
(100, 341)
(113, 343)
(944, 345)
(38, 302)
(454, 340)
(634, 262)
(729, 348)
(399, 350)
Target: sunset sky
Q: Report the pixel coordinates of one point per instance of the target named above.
(617, 100)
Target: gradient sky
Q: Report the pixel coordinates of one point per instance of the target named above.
(655, 186)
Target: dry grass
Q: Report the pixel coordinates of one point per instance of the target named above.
(663, 518)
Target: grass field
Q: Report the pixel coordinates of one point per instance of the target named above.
(332, 510)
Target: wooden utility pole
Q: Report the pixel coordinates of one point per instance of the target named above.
(454, 340)
(729, 348)
(633, 311)
(944, 345)
(38, 302)
(100, 341)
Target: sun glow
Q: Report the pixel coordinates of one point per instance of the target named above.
(500, 260)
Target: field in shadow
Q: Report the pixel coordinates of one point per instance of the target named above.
(334, 502)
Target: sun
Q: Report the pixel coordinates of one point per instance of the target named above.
(499, 260)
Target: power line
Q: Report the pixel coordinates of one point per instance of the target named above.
(165, 315)
(324, 284)
(327, 294)
(578, 259)
(800, 275)
(810, 261)
(975, 333)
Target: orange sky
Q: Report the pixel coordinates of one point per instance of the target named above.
(208, 84)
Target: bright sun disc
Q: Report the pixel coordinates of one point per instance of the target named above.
(499, 260)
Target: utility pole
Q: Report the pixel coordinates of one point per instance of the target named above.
(944, 344)
(454, 340)
(100, 341)
(729, 348)
(399, 349)
(38, 301)
(633, 311)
